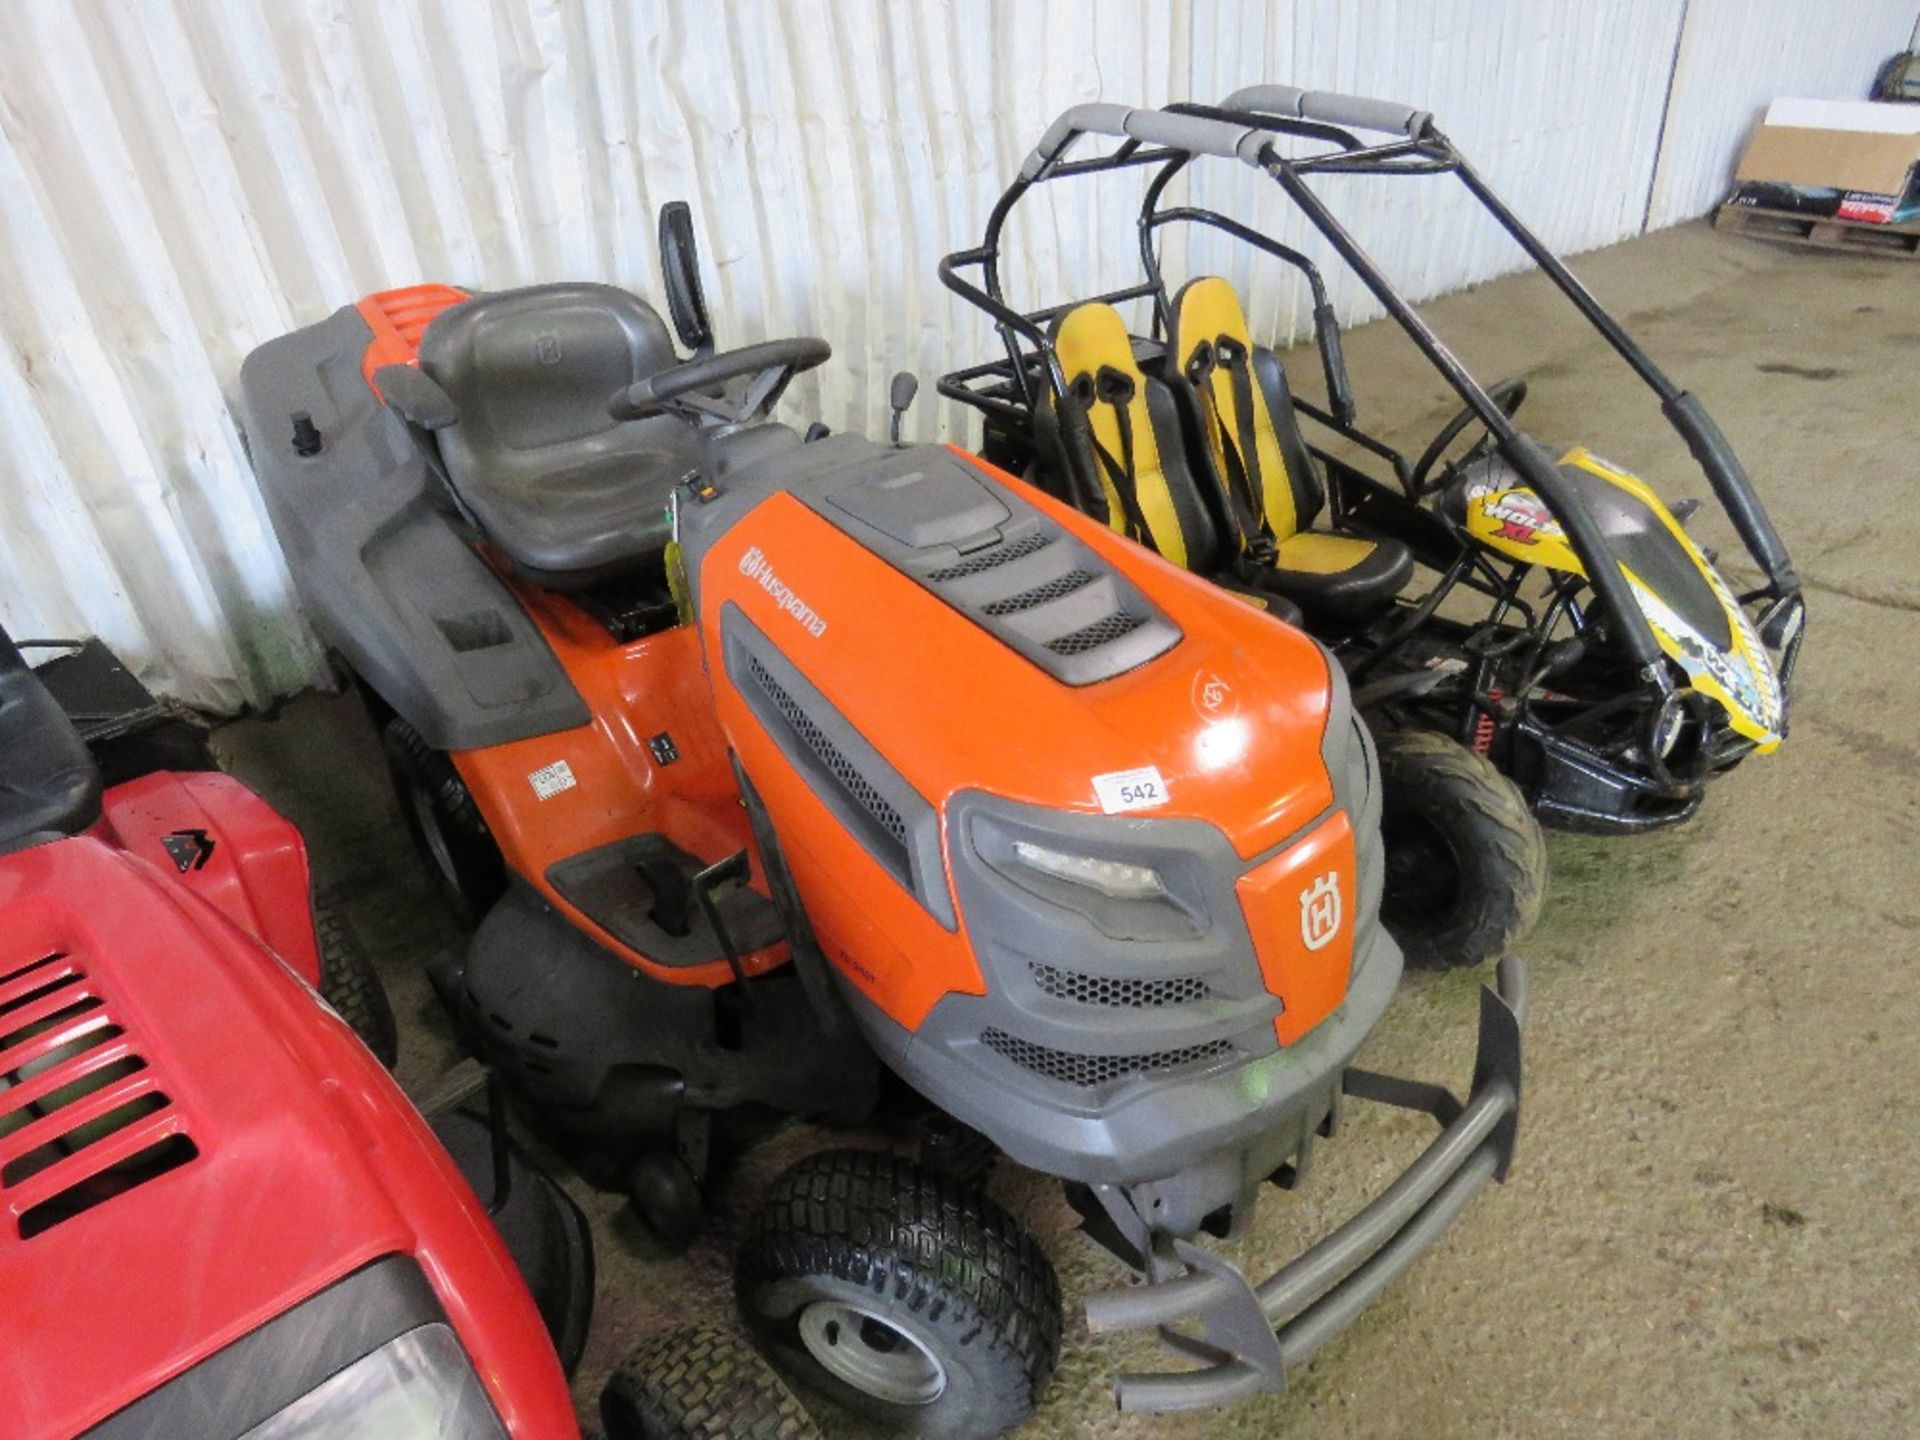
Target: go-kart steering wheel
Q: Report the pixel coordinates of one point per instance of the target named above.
(701, 390)
(1509, 395)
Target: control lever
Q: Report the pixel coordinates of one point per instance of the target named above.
(706, 888)
(900, 395)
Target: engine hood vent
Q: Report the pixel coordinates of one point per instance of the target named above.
(991, 555)
(83, 1115)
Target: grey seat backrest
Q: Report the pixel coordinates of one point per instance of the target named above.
(545, 468)
(537, 367)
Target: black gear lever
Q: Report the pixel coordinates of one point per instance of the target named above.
(900, 395)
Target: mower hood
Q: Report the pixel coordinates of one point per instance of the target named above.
(979, 636)
(244, 1152)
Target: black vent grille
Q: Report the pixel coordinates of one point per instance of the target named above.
(1088, 1071)
(1118, 993)
(994, 558)
(82, 1117)
(828, 754)
(1040, 594)
(1102, 632)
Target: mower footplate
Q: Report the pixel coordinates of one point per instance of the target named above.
(1252, 1336)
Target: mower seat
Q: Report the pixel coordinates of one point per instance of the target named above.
(49, 785)
(1125, 441)
(1267, 476)
(567, 492)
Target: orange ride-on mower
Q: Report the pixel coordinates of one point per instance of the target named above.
(1574, 634)
(797, 752)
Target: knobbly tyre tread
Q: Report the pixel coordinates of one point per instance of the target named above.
(700, 1382)
(1504, 836)
(483, 870)
(881, 1222)
(350, 984)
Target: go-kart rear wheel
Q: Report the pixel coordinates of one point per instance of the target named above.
(699, 1382)
(1466, 860)
(349, 983)
(907, 1298)
(445, 824)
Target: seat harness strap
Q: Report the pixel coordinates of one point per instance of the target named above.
(1245, 493)
(1115, 388)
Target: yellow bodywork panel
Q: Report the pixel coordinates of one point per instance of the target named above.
(1516, 523)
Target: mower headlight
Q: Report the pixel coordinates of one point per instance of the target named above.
(418, 1386)
(1115, 879)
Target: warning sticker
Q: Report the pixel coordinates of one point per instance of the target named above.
(1124, 790)
(549, 780)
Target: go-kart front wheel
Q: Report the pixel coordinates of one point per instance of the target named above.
(1466, 860)
(909, 1299)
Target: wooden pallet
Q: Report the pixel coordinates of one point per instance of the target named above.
(1821, 232)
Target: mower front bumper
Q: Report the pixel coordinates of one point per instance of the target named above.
(1251, 1337)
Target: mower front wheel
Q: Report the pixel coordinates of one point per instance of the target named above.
(698, 1382)
(446, 825)
(349, 983)
(1466, 860)
(907, 1298)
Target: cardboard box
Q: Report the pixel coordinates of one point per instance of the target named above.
(1856, 156)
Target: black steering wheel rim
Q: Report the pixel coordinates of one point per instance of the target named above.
(781, 359)
(1509, 394)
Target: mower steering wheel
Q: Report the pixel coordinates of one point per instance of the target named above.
(1508, 394)
(701, 390)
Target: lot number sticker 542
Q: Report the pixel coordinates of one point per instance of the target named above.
(1123, 790)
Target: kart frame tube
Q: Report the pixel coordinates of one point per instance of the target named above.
(1183, 132)
(1683, 410)
(1257, 1335)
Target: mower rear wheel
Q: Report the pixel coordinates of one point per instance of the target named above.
(908, 1298)
(699, 1382)
(445, 824)
(1466, 860)
(349, 983)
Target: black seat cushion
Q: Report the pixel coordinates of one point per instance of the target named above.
(49, 785)
(1338, 580)
(570, 494)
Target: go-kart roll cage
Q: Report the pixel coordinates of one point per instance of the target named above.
(1243, 129)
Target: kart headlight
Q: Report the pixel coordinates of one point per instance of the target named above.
(1115, 879)
(418, 1386)
(1667, 728)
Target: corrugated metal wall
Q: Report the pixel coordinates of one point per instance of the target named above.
(1736, 56)
(182, 179)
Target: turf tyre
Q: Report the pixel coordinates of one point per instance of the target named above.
(699, 1382)
(350, 984)
(933, 1261)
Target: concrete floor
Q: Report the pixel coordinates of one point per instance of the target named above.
(1712, 1229)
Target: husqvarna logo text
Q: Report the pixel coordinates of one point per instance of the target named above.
(754, 566)
(1320, 910)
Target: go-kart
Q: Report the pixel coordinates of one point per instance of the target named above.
(1574, 633)
(762, 759)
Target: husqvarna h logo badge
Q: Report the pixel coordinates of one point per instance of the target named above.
(1320, 911)
(753, 565)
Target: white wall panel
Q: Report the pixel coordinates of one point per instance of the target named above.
(183, 179)
(1739, 54)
